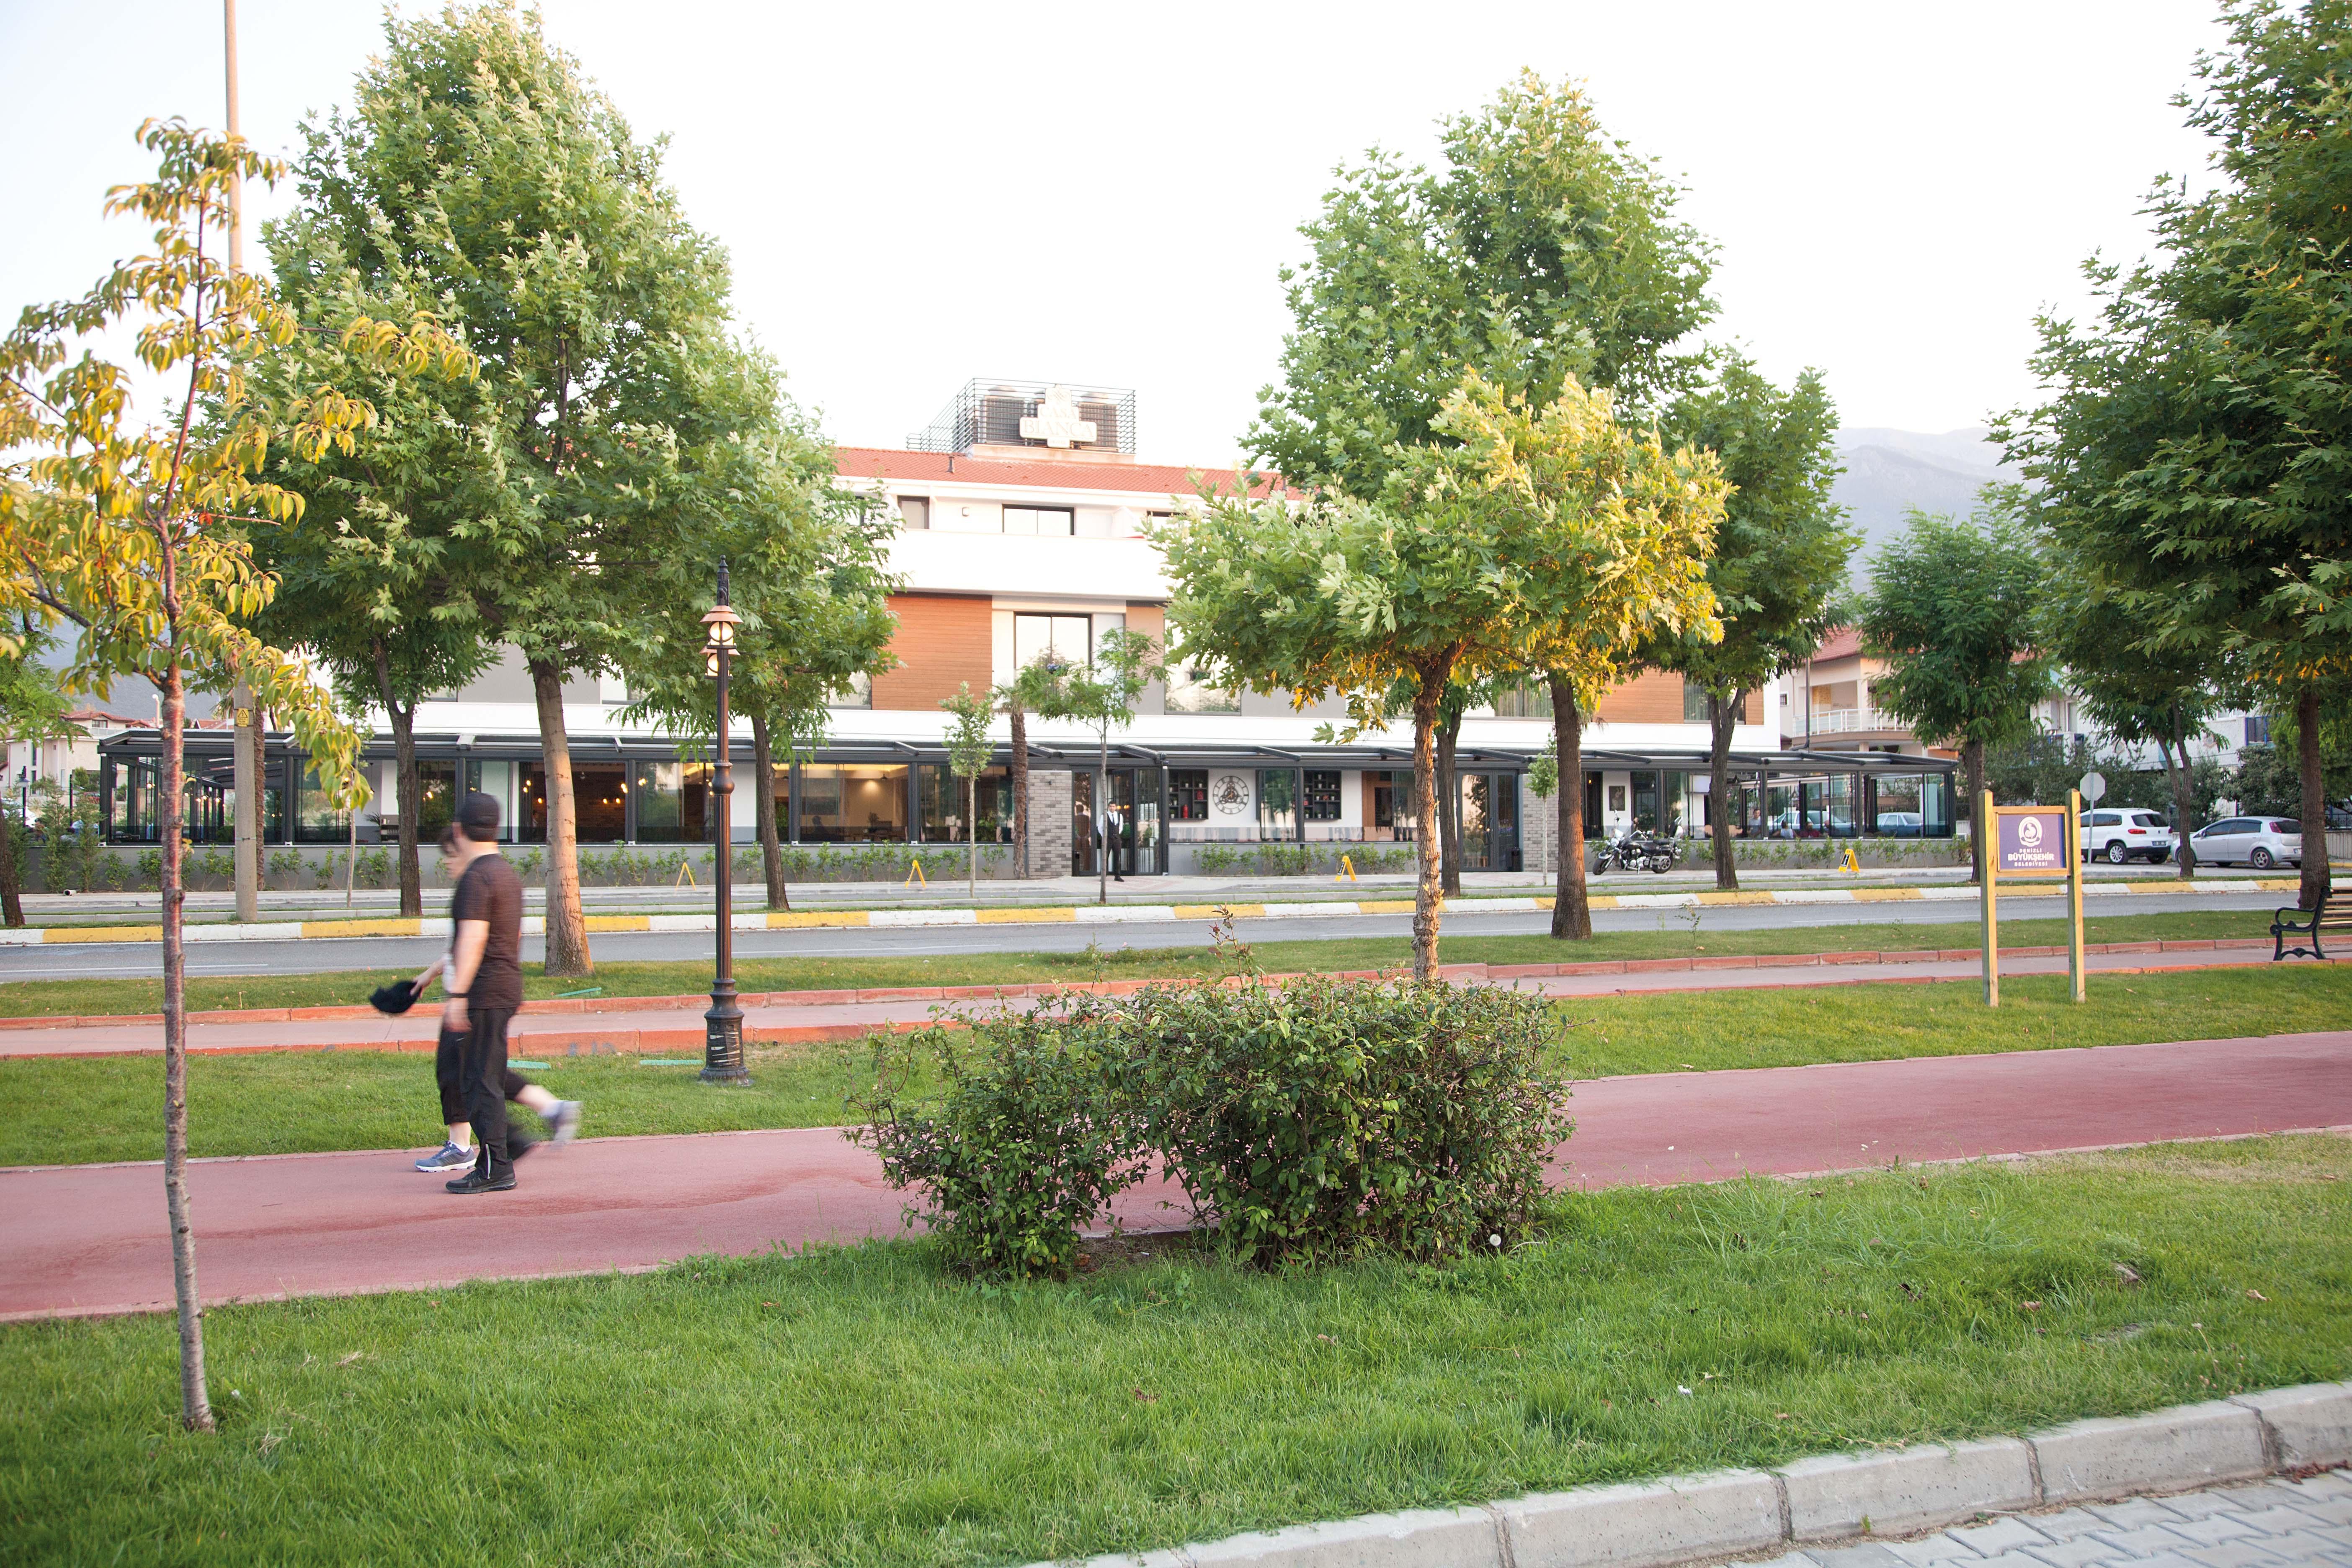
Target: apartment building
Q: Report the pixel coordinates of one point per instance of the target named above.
(1025, 522)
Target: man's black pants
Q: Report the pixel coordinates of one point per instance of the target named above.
(476, 1084)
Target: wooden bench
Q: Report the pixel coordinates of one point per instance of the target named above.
(2331, 915)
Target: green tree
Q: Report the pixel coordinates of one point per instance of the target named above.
(1102, 696)
(1540, 251)
(128, 534)
(1779, 555)
(1552, 539)
(2197, 445)
(808, 567)
(1953, 608)
(478, 167)
(970, 745)
(33, 708)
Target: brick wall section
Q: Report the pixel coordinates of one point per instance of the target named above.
(1049, 823)
(943, 641)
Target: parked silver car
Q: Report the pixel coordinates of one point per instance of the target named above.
(2121, 836)
(2261, 842)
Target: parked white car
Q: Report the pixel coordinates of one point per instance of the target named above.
(2261, 842)
(2119, 837)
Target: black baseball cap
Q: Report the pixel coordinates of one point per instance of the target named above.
(478, 815)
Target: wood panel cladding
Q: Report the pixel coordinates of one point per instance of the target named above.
(942, 642)
(1655, 697)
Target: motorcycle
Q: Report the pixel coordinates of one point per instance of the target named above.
(1637, 852)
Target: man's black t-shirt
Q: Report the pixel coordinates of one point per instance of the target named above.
(491, 892)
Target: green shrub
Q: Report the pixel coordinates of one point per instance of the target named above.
(1332, 1117)
(530, 864)
(1324, 1120)
(150, 867)
(1025, 1144)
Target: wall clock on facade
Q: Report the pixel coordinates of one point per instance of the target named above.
(1231, 796)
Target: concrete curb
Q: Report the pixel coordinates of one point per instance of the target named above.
(1099, 914)
(1833, 1497)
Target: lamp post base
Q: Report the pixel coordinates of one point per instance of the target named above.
(722, 1044)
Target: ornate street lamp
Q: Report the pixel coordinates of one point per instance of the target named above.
(722, 1039)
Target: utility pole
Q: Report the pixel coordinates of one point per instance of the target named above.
(246, 766)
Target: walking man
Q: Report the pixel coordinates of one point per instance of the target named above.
(483, 987)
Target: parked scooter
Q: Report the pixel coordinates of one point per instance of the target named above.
(1631, 851)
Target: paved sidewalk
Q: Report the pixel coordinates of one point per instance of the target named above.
(658, 1024)
(2277, 1523)
(89, 1239)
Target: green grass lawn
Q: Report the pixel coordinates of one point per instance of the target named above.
(1672, 939)
(857, 1407)
(64, 1110)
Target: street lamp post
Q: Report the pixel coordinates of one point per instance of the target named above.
(722, 1039)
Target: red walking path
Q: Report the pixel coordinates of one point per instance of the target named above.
(91, 1239)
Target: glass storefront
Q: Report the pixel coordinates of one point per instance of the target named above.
(600, 801)
(1278, 804)
(1490, 821)
(1389, 812)
(947, 800)
(853, 803)
(673, 802)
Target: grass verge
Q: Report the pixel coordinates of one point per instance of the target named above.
(1674, 938)
(68, 1110)
(857, 1407)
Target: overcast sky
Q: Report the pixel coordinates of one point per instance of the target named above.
(915, 195)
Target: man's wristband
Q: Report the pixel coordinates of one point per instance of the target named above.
(453, 996)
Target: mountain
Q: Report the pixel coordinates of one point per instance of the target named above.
(1889, 470)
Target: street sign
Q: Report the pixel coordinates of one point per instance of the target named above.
(2032, 843)
(2094, 787)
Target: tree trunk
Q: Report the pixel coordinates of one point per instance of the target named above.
(1019, 717)
(1102, 822)
(245, 776)
(1571, 909)
(567, 926)
(771, 843)
(1428, 895)
(195, 1407)
(2184, 794)
(971, 831)
(1972, 772)
(2316, 879)
(404, 752)
(12, 874)
(1449, 806)
(1721, 715)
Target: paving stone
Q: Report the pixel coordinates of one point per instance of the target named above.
(2334, 1510)
(2303, 1546)
(2147, 1541)
(1917, 1489)
(1931, 1548)
(2013, 1560)
(1869, 1554)
(2075, 1551)
(2250, 1552)
(2067, 1521)
(2279, 1519)
(1719, 1514)
(2000, 1535)
(2206, 1504)
(1798, 1560)
(2214, 1529)
(2187, 1446)
(2135, 1514)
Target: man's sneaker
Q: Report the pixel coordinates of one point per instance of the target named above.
(479, 1181)
(449, 1158)
(564, 1122)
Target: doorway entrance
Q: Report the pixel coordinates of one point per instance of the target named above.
(1490, 822)
(1130, 827)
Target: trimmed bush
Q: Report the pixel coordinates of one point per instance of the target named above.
(1318, 1120)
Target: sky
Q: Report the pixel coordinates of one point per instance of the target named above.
(915, 195)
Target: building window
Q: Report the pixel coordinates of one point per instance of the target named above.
(1322, 795)
(1694, 703)
(600, 800)
(947, 800)
(1188, 794)
(1278, 804)
(1059, 522)
(851, 803)
(1069, 638)
(855, 690)
(915, 512)
(1532, 700)
(2258, 730)
(1389, 810)
(673, 802)
(1193, 688)
(316, 819)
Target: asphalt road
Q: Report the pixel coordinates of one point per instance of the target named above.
(327, 955)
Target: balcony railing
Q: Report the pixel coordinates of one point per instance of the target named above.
(1852, 720)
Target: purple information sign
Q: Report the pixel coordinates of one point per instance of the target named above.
(2034, 841)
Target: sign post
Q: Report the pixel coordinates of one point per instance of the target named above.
(2031, 841)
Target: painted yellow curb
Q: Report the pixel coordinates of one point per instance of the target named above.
(394, 926)
(1370, 907)
(790, 919)
(1735, 899)
(1026, 917)
(1601, 902)
(103, 934)
(615, 922)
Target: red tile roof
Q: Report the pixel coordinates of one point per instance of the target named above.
(1843, 642)
(1147, 478)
